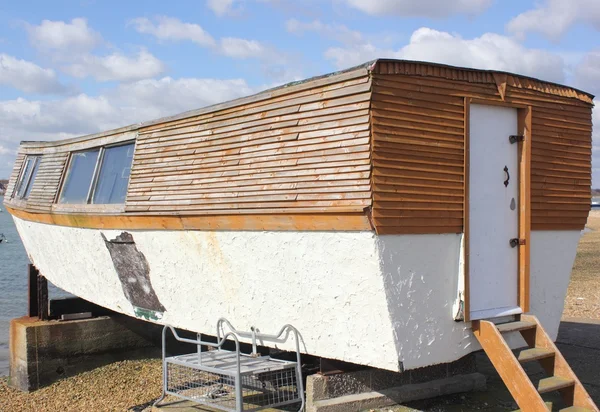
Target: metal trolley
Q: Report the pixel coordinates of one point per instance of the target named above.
(232, 380)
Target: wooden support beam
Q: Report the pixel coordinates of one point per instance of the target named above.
(42, 294)
(32, 291)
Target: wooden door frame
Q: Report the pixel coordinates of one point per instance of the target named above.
(524, 160)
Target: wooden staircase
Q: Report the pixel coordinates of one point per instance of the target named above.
(542, 349)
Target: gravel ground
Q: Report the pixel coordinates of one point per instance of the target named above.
(583, 296)
(134, 385)
(121, 386)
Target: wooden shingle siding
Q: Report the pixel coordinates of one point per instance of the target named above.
(299, 152)
(47, 181)
(418, 155)
(418, 151)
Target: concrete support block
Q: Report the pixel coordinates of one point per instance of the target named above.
(316, 388)
(42, 352)
(398, 395)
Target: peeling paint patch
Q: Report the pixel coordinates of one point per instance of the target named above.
(147, 314)
(134, 274)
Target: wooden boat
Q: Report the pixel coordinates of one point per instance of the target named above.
(382, 210)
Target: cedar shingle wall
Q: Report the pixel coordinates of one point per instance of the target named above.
(304, 151)
(47, 182)
(418, 151)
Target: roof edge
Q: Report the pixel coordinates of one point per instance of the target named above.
(449, 66)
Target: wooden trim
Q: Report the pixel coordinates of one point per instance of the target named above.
(275, 222)
(467, 165)
(502, 103)
(524, 126)
(88, 208)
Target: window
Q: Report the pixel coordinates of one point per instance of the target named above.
(79, 177)
(98, 176)
(27, 177)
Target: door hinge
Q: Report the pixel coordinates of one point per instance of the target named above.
(514, 242)
(514, 138)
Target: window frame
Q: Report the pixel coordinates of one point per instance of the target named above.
(18, 183)
(94, 182)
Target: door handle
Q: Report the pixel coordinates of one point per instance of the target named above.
(507, 176)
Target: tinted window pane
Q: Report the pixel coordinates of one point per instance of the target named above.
(36, 166)
(79, 177)
(114, 175)
(22, 185)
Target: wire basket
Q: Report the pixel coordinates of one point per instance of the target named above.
(231, 380)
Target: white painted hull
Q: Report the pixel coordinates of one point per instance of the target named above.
(382, 301)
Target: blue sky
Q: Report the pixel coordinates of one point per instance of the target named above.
(69, 68)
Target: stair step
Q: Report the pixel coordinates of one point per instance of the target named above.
(548, 405)
(528, 355)
(554, 383)
(515, 326)
(569, 409)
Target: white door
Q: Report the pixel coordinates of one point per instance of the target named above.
(493, 212)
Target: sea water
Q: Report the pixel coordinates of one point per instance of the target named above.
(13, 282)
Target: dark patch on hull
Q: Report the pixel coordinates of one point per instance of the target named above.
(134, 272)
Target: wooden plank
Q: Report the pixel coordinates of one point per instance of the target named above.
(526, 129)
(466, 208)
(417, 230)
(415, 101)
(414, 221)
(276, 222)
(257, 122)
(418, 133)
(423, 111)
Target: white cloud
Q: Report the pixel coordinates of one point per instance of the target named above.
(153, 98)
(58, 35)
(420, 8)
(22, 119)
(28, 77)
(243, 48)
(117, 67)
(489, 51)
(344, 57)
(553, 18)
(587, 73)
(170, 28)
(70, 46)
(337, 32)
(73, 115)
(6, 151)
(221, 7)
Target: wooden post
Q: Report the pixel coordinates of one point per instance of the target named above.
(42, 287)
(32, 295)
(38, 294)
